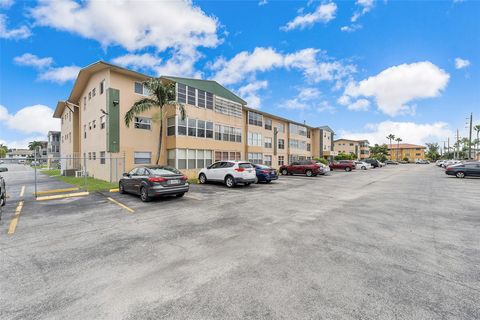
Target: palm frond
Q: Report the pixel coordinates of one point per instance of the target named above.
(138, 107)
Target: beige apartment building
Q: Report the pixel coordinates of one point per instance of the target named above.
(218, 126)
(359, 148)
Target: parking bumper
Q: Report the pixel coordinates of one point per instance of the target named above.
(159, 190)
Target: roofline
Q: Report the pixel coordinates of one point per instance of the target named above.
(278, 117)
(362, 140)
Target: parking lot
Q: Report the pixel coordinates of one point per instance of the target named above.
(400, 242)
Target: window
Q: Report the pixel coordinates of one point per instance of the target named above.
(102, 86)
(94, 155)
(189, 158)
(89, 156)
(226, 133)
(102, 157)
(191, 96)
(84, 131)
(200, 128)
(192, 159)
(280, 127)
(141, 88)
(171, 126)
(94, 92)
(142, 123)
(267, 160)
(268, 142)
(209, 101)
(182, 158)
(142, 157)
(94, 124)
(181, 93)
(296, 129)
(268, 124)
(102, 122)
(281, 160)
(171, 158)
(227, 156)
(308, 146)
(255, 118)
(90, 95)
(192, 127)
(255, 139)
(417, 154)
(351, 144)
(298, 144)
(227, 107)
(209, 130)
(254, 157)
(89, 126)
(281, 144)
(84, 102)
(201, 98)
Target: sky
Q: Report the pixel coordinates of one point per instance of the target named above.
(365, 68)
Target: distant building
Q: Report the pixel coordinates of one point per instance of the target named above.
(406, 150)
(359, 148)
(53, 149)
(326, 142)
(18, 154)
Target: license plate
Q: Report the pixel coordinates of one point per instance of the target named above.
(174, 181)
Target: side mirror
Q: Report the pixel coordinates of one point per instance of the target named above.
(3, 169)
(126, 174)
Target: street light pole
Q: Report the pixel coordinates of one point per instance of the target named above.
(470, 139)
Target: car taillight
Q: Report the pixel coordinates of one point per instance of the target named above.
(156, 179)
(266, 171)
(239, 169)
(184, 178)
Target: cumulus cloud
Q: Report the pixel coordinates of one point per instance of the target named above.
(262, 2)
(396, 86)
(364, 7)
(308, 98)
(461, 63)
(138, 61)
(352, 28)
(410, 132)
(46, 71)
(19, 33)
(313, 63)
(32, 119)
(323, 14)
(250, 94)
(31, 60)
(359, 105)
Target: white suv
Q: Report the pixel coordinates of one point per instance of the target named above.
(230, 172)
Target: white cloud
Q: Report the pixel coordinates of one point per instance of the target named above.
(324, 13)
(31, 60)
(32, 119)
(308, 93)
(409, 132)
(359, 105)
(60, 75)
(351, 28)
(262, 2)
(249, 93)
(22, 143)
(5, 4)
(21, 32)
(308, 98)
(311, 62)
(365, 6)
(461, 63)
(137, 61)
(396, 86)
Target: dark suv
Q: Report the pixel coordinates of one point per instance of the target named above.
(374, 162)
(3, 191)
(307, 167)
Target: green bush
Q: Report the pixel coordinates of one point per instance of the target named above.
(406, 159)
(321, 160)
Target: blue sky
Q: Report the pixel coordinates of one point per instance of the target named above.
(365, 68)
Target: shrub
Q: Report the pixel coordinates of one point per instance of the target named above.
(321, 160)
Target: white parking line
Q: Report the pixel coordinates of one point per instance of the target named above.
(22, 191)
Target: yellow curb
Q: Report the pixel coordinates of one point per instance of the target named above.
(14, 222)
(121, 205)
(193, 197)
(114, 190)
(56, 190)
(62, 196)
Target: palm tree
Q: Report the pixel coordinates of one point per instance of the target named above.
(34, 145)
(398, 144)
(162, 94)
(391, 137)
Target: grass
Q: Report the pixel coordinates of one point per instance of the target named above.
(91, 184)
(193, 181)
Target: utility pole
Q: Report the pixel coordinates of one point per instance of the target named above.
(470, 139)
(448, 147)
(458, 145)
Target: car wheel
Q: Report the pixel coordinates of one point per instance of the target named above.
(229, 182)
(202, 178)
(144, 195)
(284, 172)
(308, 173)
(179, 195)
(256, 180)
(460, 174)
(268, 181)
(364, 168)
(121, 189)
(348, 169)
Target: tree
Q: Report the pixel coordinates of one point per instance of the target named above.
(391, 137)
(398, 145)
(433, 151)
(379, 152)
(344, 156)
(477, 143)
(161, 95)
(3, 150)
(34, 145)
(321, 160)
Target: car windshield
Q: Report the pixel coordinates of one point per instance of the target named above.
(261, 166)
(245, 165)
(164, 171)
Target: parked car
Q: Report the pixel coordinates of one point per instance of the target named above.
(229, 172)
(153, 181)
(307, 167)
(447, 163)
(373, 162)
(347, 165)
(265, 173)
(360, 165)
(21, 162)
(391, 162)
(323, 168)
(422, 162)
(462, 170)
(3, 191)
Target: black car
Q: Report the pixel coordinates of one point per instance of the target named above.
(3, 191)
(152, 181)
(391, 162)
(463, 170)
(374, 162)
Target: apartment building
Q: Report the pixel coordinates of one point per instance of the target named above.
(359, 148)
(401, 151)
(53, 149)
(218, 126)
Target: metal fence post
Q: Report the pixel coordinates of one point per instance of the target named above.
(35, 172)
(85, 172)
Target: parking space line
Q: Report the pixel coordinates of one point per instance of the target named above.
(121, 205)
(14, 222)
(22, 191)
(56, 190)
(61, 196)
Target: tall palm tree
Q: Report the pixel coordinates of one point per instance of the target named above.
(391, 137)
(162, 94)
(398, 144)
(34, 145)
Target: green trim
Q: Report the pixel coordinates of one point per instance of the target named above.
(113, 120)
(209, 86)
